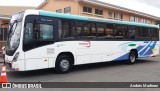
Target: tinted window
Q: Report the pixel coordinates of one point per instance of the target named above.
(46, 32)
(67, 29)
(143, 33)
(36, 35)
(86, 30)
(105, 31)
(154, 34)
(28, 33)
(101, 30)
(132, 32)
(121, 32)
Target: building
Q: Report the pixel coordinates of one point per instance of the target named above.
(99, 9)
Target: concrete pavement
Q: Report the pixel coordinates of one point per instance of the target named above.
(145, 70)
(1, 59)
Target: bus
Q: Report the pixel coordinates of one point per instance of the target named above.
(40, 39)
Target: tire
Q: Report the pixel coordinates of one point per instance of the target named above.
(63, 64)
(132, 57)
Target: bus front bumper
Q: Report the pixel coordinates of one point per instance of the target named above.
(13, 66)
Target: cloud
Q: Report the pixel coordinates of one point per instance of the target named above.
(154, 3)
(34, 3)
(137, 5)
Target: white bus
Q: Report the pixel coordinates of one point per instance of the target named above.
(40, 39)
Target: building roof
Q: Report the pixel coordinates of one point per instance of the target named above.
(42, 4)
(5, 17)
(104, 4)
(10, 10)
(6, 12)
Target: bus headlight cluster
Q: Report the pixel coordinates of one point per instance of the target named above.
(16, 57)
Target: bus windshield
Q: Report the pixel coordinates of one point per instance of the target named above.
(14, 33)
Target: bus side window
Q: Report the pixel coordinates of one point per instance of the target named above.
(86, 30)
(105, 31)
(101, 31)
(28, 35)
(36, 31)
(132, 34)
(154, 34)
(109, 31)
(143, 33)
(121, 32)
(67, 29)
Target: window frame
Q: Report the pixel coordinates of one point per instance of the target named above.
(116, 15)
(59, 10)
(121, 16)
(88, 9)
(110, 14)
(67, 9)
(99, 12)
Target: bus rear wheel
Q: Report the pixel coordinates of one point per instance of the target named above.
(63, 64)
(132, 57)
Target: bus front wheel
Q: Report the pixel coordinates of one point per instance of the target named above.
(132, 57)
(63, 64)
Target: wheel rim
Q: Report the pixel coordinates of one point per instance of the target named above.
(132, 58)
(64, 64)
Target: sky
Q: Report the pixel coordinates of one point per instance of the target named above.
(147, 6)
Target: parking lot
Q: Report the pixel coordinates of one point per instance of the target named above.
(145, 70)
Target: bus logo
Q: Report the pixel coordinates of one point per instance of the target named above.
(85, 44)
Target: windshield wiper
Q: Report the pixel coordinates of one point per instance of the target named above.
(11, 32)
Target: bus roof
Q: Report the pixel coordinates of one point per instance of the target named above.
(76, 17)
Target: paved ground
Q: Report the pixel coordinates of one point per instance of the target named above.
(146, 70)
(1, 60)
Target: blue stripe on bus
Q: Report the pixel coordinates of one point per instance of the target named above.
(59, 15)
(142, 52)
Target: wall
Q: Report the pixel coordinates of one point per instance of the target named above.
(54, 5)
(126, 16)
(5, 33)
(77, 9)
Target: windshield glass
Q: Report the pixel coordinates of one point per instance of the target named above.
(14, 33)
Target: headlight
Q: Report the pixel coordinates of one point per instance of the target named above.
(16, 57)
